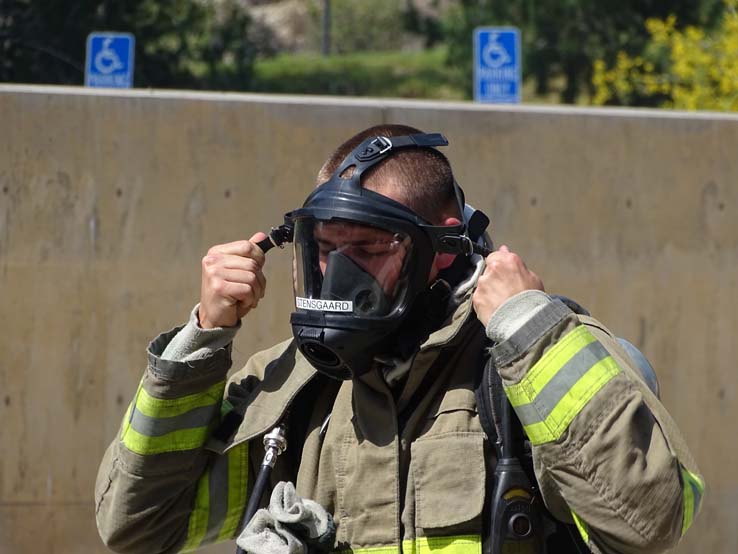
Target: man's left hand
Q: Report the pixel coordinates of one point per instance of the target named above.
(505, 276)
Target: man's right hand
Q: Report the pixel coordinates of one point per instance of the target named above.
(232, 282)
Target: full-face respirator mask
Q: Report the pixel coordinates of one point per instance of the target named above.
(361, 260)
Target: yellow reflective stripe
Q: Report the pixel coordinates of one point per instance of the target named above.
(381, 549)
(126, 421)
(459, 544)
(238, 478)
(463, 544)
(159, 407)
(692, 490)
(548, 366)
(560, 384)
(167, 410)
(687, 506)
(176, 441)
(219, 502)
(572, 403)
(695, 480)
(583, 528)
(198, 524)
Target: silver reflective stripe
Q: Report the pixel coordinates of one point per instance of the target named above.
(218, 490)
(158, 426)
(555, 390)
(697, 496)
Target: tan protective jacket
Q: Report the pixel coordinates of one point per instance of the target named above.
(402, 473)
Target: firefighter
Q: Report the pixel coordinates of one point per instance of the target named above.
(395, 313)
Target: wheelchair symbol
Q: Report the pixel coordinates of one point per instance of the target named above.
(494, 55)
(107, 60)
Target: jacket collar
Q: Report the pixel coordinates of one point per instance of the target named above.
(445, 337)
(262, 409)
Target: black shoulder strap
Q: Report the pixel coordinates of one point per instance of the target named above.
(489, 394)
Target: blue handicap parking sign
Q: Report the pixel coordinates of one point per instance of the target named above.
(109, 60)
(497, 67)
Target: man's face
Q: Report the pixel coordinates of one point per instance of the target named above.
(378, 252)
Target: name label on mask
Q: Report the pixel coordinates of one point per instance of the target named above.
(318, 304)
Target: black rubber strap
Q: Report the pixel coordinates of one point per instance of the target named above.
(489, 395)
(277, 237)
(266, 245)
(419, 139)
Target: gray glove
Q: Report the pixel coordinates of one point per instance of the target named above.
(291, 525)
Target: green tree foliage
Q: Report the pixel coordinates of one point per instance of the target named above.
(564, 37)
(685, 69)
(183, 44)
(359, 25)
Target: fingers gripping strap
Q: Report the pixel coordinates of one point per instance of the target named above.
(560, 384)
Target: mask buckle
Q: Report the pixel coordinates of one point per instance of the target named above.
(457, 244)
(377, 147)
(461, 244)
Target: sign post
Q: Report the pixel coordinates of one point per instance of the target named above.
(109, 60)
(497, 65)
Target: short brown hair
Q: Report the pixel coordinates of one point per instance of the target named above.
(422, 176)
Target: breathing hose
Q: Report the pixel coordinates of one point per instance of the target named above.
(275, 443)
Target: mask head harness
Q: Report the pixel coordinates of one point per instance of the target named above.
(362, 260)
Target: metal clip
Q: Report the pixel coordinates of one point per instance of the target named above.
(377, 147)
(384, 144)
(276, 237)
(275, 443)
(276, 232)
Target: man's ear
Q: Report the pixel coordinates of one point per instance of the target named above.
(442, 261)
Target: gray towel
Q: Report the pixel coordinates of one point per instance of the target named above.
(291, 525)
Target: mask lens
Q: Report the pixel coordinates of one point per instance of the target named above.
(348, 267)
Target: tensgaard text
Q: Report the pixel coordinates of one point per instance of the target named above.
(321, 305)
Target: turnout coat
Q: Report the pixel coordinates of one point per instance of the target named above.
(402, 470)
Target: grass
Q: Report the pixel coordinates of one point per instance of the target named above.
(389, 74)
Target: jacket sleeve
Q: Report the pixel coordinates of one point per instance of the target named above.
(158, 489)
(607, 455)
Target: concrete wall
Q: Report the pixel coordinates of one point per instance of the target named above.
(109, 200)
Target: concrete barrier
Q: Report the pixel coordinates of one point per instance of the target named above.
(108, 200)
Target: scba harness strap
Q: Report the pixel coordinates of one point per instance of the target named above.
(367, 154)
(373, 148)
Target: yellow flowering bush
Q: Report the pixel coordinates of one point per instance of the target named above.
(683, 69)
